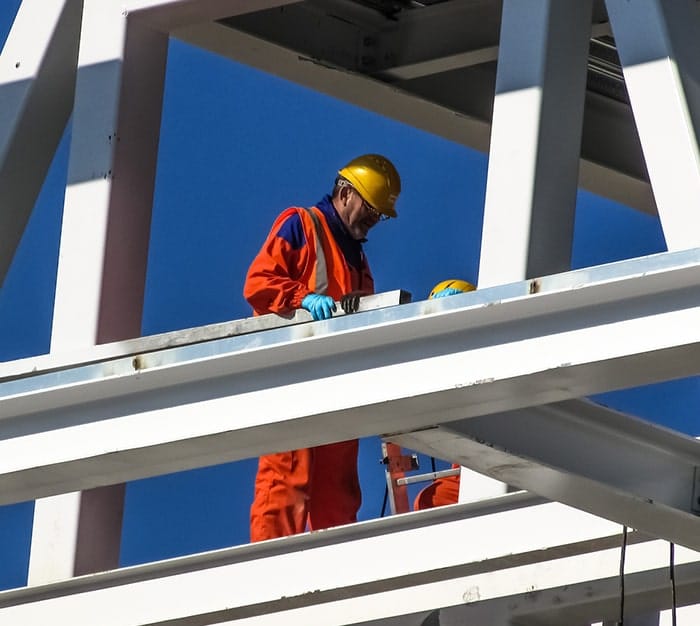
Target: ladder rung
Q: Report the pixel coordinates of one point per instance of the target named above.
(407, 480)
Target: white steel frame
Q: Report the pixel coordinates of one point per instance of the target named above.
(543, 338)
(420, 561)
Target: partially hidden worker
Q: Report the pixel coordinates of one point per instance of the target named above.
(443, 490)
(312, 258)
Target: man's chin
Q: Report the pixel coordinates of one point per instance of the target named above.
(359, 233)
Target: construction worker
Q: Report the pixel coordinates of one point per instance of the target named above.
(312, 258)
(443, 490)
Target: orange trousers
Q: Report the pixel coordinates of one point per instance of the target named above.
(440, 492)
(315, 487)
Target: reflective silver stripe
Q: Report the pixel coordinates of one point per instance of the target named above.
(321, 270)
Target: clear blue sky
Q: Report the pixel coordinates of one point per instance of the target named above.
(237, 147)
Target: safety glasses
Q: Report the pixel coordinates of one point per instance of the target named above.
(380, 217)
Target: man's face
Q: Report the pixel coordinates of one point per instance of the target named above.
(357, 215)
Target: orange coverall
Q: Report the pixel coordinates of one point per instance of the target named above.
(318, 486)
(440, 492)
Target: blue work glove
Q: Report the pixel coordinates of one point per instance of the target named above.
(448, 291)
(321, 307)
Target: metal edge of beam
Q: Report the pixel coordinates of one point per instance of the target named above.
(419, 69)
(632, 278)
(626, 279)
(617, 186)
(517, 557)
(140, 345)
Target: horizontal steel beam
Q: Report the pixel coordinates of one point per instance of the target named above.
(606, 173)
(32, 367)
(169, 14)
(393, 369)
(422, 561)
(647, 595)
(406, 71)
(585, 455)
(352, 87)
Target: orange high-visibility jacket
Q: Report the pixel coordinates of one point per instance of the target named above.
(318, 487)
(285, 269)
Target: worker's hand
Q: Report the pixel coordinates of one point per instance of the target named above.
(449, 291)
(350, 302)
(321, 307)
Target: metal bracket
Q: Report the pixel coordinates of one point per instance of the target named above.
(420, 478)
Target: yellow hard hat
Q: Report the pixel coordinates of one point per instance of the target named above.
(375, 178)
(452, 283)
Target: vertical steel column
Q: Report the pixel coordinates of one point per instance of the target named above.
(103, 252)
(659, 47)
(534, 153)
(535, 140)
(37, 84)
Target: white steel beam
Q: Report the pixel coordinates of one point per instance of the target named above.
(585, 603)
(54, 538)
(404, 69)
(606, 118)
(584, 455)
(101, 277)
(437, 34)
(111, 173)
(486, 351)
(331, 577)
(389, 100)
(582, 604)
(535, 140)
(659, 46)
(37, 83)
(151, 343)
(58, 548)
(357, 89)
(482, 54)
(534, 151)
(166, 15)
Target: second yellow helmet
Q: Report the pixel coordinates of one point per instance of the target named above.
(375, 178)
(452, 283)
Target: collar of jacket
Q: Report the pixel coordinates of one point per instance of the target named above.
(352, 248)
